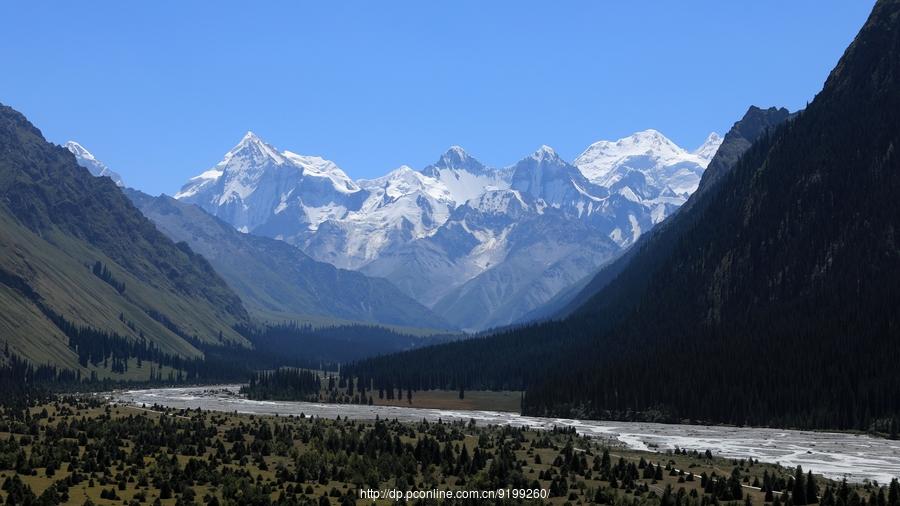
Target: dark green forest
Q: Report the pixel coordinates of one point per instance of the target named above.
(284, 384)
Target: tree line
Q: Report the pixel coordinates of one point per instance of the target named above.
(284, 384)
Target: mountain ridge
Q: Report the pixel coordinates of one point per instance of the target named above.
(406, 225)
(87, 160)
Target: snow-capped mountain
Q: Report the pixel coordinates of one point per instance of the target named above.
(255, 184)
(648, 168)
(551, 181)
(457, 231)
(465, 177)
(89, 162)
(510, 250)
(399, 207)
(708, 149)
(470, 241)
(312, 203)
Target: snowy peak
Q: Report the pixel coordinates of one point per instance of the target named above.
(87, 160)
(316, 166)
(464, 176)
(601, 157)
(545, 154)
(250, 152)
(465, 207)
(405, 180)
(648, 147)
(709, 147)
(645, 141)
(252, 158)
(456, 155)
(544, 162)
(238, 171)
(650, 137)
(670, 171)
(79, 151)
(544, 175)
(455, 159)
(254, 184)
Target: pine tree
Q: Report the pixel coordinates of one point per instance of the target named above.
(894, 493)
(734, 484)
(799, 490)
(812, 490)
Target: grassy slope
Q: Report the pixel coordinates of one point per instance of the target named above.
(56, 220)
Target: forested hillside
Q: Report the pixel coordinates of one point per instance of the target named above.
(775, 304)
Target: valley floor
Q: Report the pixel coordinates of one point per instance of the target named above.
(84, 451)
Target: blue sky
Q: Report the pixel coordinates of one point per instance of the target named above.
(160, 90)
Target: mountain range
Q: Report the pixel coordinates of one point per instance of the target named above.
(479, 246)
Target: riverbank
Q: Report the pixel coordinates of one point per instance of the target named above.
(857, 457)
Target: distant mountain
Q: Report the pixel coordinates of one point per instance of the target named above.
(465, 177)
(503, 255)
(648, 168)
(277, 281)
(770, 299)
(399, 207)
(645, 252)
(442, 233)
(96, 167)
(80, 262)
(255, 184)
(509, 250)
(311, 203)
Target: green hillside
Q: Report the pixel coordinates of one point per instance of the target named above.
(74, 246)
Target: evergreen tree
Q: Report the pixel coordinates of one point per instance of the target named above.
(798, 493)
(812, 490)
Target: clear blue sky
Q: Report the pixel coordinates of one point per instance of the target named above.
(160, 90)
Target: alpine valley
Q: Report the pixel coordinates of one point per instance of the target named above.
(278, 332)
(752, 279)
